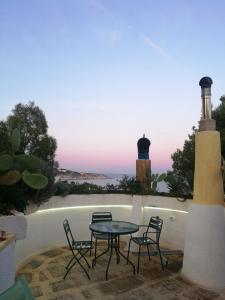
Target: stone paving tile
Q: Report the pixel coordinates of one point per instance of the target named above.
(37, 291)
(65, 258)
(200, 294)
(54, 261)
(57, 270)
(42, 276)
(183, 281)
(52, 253)
(98, 274)
(34, 264)
(137, 294)
(67, 296)
(168, 289)
(66, 284)
(93, 293)
(45, 272)
(117, 286)
(164, 287)
(153, 272)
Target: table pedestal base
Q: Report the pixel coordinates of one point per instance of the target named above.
(113, 243)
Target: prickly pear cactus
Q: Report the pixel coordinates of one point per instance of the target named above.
(15, 167)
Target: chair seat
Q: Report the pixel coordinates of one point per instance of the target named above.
(100, 236)
(79, 245)
(143, 240)
(153, 229)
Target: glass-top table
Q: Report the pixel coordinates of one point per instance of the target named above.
(114, 229)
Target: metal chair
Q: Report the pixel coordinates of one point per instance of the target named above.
(78, 249)
(100, 217)
(19, 290)
(150, 237)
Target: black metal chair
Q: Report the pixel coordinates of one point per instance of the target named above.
(78, 249)
(150, 238)
(100, 217)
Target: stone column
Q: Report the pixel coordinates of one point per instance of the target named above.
(143, 164)
(143, 171)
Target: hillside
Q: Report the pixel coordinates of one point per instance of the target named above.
(69, 175)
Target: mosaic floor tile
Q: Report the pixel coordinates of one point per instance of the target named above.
(45, 272)
(34, 264)
(37, 291)
(200, 294)
(52, 253)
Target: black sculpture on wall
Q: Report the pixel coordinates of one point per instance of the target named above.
(143, 145)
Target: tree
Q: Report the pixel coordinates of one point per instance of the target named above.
(5, 139)
(219, 115)
(17, 173)
(32, 124)
(181, 179)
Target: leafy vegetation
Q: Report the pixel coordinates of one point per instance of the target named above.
(24, 176)
(181, 179)
(155, 179)
(127, 185)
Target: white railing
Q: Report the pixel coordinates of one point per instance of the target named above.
(45, 228)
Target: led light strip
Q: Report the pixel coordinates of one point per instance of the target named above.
(106, 205)
(83, 206)
(168, 209)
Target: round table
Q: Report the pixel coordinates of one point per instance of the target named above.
(114, 229)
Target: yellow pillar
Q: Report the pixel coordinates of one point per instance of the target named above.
(204, 249)
(208, 182)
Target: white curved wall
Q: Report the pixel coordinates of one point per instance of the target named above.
(45, 228)
(174, 219)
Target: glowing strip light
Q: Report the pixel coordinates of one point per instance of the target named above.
(83, 206)
(105, 206)
(168, 209)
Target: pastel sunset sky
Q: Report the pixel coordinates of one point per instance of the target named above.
(106, 71)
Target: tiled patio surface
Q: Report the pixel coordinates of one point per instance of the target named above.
(45, 272)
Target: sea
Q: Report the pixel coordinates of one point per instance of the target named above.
(115, 178)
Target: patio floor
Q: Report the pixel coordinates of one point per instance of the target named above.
(45, 272)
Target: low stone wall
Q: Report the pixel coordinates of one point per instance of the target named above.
(45, 228)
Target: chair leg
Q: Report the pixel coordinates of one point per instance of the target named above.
(117, 249)
(91, 243)
(76, 261)
(83, 256)
(139, 251)
(149, 257)
(96, 240)
(128, 253)
(160, 255)
(69, 262)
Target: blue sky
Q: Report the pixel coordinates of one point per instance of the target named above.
(105, 72)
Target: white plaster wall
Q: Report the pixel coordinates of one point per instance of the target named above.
(174, 220)
(204, 255)
(7, 266)
(45, 229)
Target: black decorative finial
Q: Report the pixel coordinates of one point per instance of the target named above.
(206, 122)
(143, 147)
(205, 82)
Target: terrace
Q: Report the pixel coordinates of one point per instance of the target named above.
(45, 271)
(43, 254)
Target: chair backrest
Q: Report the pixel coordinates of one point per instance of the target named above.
(156, 223)
(69, 235)
(101, 216)
(18, 291)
